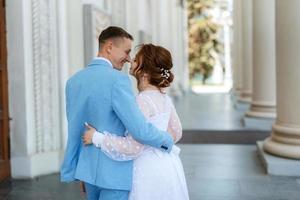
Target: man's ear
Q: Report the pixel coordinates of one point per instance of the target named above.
(109, 47)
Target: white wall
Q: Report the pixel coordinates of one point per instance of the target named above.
(75, 35)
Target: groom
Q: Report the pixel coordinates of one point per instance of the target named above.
(102, 95)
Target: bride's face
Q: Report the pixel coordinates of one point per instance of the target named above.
(133, 66)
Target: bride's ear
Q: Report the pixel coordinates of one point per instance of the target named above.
(145, 75)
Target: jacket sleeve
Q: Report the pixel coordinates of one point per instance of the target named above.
(126, 108)
(75, 115)
(123, 148)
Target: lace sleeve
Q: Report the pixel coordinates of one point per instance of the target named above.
(174, 126)
(120, 148)
(124, 148)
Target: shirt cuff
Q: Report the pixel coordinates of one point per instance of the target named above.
(97, 139)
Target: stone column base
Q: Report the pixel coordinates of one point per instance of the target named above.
(282, 149)
(276, 165)
(262, 110)
(31, 166)
(260, 116)
(245, 96)
(284, 141)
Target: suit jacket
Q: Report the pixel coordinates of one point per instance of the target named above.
(103, 97)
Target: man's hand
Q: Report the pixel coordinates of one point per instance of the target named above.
(88, 134)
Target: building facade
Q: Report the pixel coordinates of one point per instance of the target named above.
(46, 42)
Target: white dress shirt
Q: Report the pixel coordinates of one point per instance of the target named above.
(104, 59)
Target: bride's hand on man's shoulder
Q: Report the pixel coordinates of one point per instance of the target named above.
(88, 134)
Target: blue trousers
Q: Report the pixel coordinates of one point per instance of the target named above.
(96, 193)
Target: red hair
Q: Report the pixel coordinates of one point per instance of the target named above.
(156, 62)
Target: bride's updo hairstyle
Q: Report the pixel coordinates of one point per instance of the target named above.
(156, 62)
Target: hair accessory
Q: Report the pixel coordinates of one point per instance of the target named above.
(165, 73)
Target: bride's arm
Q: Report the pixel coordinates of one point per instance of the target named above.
(174, 126)
(117, 147)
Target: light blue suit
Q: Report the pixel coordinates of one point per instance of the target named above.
(103, 97)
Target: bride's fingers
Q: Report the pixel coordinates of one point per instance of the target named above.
(88, 126)
(85, 142)
(84, 139)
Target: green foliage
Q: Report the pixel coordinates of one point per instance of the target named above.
(203, 38)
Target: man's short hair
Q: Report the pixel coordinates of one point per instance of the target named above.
(112, 32)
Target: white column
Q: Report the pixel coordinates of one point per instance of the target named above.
(237, 47)
(35, 60)
(246, 92)
(64, 67)
(228, 34)
(183, 29)
(174, 46)
(263, 102)
(75, 35)
(175, 37)
(285, 138)
(118, 13)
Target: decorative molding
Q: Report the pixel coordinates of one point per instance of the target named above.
(45, 75)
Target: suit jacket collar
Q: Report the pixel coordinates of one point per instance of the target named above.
(100, 61)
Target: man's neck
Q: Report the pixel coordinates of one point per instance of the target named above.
(104, 57)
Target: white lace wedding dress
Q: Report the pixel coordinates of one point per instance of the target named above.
(157, 175)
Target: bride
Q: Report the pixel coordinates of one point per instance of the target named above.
(157, 174)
